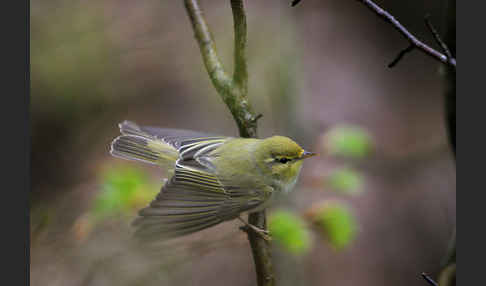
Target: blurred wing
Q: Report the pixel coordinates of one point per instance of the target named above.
(190, 201)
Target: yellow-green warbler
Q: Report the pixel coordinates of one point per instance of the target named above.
(213, 178)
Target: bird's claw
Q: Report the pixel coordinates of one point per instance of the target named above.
(263, 233)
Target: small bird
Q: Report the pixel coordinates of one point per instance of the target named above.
(212, 178)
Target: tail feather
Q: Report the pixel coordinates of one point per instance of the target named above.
(135, 145)
(131, 128)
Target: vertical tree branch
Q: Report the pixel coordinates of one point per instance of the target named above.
(261, 250)
(234, 92)
(240, 75)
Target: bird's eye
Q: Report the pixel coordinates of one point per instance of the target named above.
(283, 160)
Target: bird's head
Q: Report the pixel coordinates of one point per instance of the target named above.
(281, 160)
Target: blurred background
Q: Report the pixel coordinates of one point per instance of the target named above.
(376, 208)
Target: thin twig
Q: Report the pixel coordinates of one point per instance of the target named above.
(400, 55)
(219, 77)
(437, 38)
(428, 279)
(294, 2)
(409, 36)
(240, 75)
(234, 93)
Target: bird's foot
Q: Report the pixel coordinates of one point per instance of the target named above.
(265, 234)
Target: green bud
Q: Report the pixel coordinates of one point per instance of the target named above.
(337, 224)
(289, 231)
(348, 141)
(345, 180)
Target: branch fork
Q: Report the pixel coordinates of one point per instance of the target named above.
(415, 43)
(233, 90)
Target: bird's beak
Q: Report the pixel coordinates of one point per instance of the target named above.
(307, 154)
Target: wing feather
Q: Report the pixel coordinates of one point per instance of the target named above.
(185, 206)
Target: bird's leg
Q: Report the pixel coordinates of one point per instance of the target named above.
(265, 234)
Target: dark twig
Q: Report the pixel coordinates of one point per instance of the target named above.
(405, 33)
(400, 55)
(437, 38)
(428, 279)
(294, 2)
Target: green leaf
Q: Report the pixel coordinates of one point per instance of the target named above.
(345, 180)
(289, 231)
(348, 141)
(337, 224)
